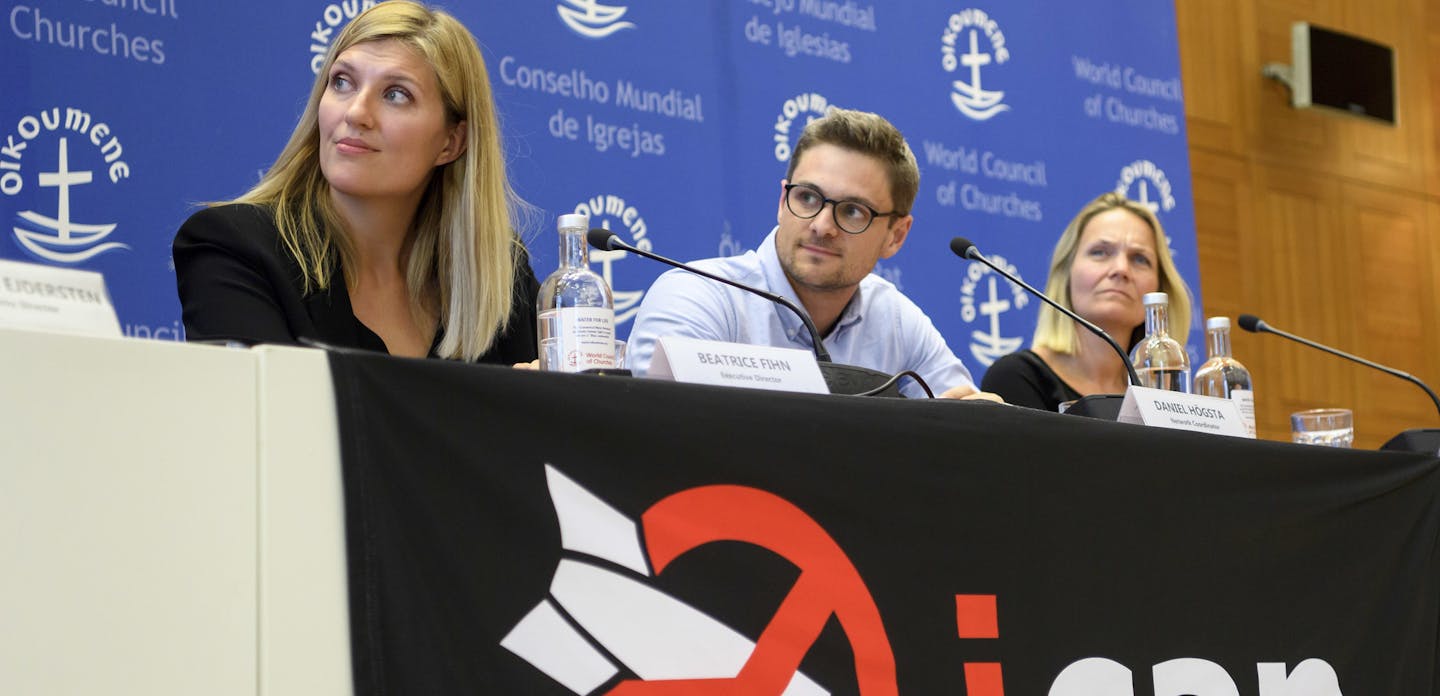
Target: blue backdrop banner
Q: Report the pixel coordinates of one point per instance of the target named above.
(668, 122)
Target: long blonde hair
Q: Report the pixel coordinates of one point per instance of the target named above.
(463, 250)
(1056, 331)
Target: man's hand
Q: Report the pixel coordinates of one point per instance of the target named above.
(532, 365)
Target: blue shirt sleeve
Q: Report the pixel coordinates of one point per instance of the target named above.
(679, 304)
(933, 359)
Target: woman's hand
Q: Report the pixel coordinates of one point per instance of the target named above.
(967, 391)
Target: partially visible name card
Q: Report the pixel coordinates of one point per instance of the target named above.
(722, 364)
(46, 298)
(1179, 411)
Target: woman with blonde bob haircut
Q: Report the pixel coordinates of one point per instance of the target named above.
(387, 222)
(1111, 254)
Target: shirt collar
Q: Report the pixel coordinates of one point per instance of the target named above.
(779, 284)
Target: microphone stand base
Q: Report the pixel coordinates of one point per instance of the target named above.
(851, 379)
(1102, 406)
(1425, 440)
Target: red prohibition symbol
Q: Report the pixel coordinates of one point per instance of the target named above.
(828, 584)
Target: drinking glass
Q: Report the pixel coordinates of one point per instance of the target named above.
(1330, 427)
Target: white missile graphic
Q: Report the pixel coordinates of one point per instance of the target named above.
(651, 634)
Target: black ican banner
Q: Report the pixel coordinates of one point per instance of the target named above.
(513, 532)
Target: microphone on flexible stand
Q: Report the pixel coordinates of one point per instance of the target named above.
(1096, 405)
(840, 379)
(1415, 439)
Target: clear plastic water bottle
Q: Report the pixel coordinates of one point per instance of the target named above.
(576, 312)
(1223, 376)
(1160, 361)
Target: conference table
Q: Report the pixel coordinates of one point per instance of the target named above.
(180, 519)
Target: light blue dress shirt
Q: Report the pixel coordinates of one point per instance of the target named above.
(880, 329)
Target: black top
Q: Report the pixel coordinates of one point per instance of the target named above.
(1024, 379)
(237, 282)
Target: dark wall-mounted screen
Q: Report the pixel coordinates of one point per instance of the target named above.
(1351, 74)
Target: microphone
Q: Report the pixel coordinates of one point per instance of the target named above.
(605, 240)
(1255, 324)
(965, 250)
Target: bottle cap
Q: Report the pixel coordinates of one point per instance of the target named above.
(1217, 323)
(1154, 298)
(573, 220)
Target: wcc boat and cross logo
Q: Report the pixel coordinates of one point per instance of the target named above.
(796, 113)
(982, 295)
(593, 20)
(54, 163)
(614, 213)
(1144, 182)
(970, 42)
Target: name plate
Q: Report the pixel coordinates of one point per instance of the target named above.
(46, 298)
(1178, 411)
(717, 363)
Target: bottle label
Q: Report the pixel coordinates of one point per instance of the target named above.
(579, 338)
(1245, 400)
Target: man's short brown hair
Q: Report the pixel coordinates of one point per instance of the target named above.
(868, 134)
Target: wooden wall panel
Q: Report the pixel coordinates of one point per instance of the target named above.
(1296, 288)
(1394, 294)
(1325, 225)
(1379, 153)
(1222, 189)
(1216, 55)
(1432, 163)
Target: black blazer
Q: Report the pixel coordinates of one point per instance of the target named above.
(237, 282)
(1023, 379)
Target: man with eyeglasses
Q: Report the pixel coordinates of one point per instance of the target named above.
(858, 166)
